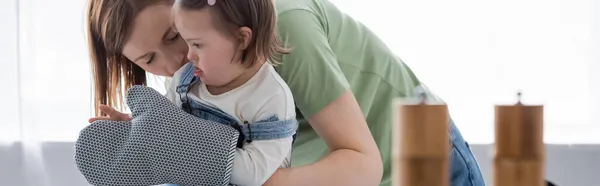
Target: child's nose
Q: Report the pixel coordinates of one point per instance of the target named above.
(192, 56)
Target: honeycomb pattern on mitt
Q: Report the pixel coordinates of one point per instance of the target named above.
(161, 144)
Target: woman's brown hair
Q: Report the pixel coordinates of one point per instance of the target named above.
(108, 28)
(258, 15)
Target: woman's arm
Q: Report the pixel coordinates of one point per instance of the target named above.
(322, 94)
(354, 157)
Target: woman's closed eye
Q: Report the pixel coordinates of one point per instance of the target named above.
(174, 37)
(196, 45)
(150, 60)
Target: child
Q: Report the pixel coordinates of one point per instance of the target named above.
(231, 45)
(231, 80)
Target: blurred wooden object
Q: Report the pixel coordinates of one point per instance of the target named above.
(421, 144)
(519, 148)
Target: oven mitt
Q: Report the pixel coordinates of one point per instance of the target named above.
(161, 144)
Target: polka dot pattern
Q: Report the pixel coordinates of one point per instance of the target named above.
(162, 144)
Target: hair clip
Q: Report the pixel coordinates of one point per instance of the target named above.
(211, 2)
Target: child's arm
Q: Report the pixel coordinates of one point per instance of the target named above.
(171, 95)
(171, 85)
(258, 160)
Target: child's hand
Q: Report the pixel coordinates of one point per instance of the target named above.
(113, 115)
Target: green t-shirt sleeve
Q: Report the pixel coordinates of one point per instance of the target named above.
(311, 69)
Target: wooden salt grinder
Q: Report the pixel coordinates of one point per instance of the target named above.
(420, 144)
(519, 159)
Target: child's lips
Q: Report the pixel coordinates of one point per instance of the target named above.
(197, 72)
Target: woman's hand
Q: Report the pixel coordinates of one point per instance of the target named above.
(112, 114)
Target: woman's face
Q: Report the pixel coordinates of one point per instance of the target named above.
(153, 45)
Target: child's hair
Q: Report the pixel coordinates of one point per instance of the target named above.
(258, 15)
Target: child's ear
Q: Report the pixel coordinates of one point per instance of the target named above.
(245, 36)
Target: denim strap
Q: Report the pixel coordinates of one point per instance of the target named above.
(267, 129)
(186, 79)
(271, 128)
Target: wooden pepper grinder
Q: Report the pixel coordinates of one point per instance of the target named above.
(520, 151)
(420, 144)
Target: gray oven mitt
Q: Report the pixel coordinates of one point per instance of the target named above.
(161, 144)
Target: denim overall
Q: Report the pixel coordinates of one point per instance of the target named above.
(268, 129)
(464, 170)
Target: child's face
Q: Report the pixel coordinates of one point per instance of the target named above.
(216, 55)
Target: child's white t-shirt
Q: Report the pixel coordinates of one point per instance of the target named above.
(261, 97)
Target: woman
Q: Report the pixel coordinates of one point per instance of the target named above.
(342, 76)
